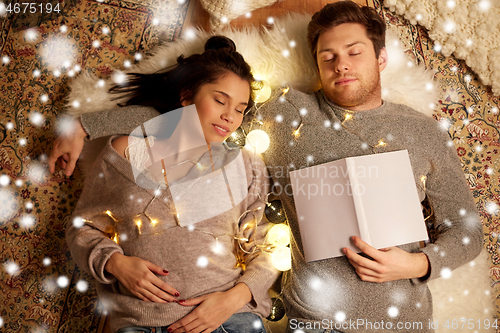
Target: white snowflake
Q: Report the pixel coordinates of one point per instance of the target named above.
(63, 28)
(491, 207)
(467, 78)
(451, 4)
(62, 281)
(9, 125)
(22, 142)
(450, 299)
(190, 227)
(444, 124)
(419, 17)
(466, 292)
(327, 123)
(449, 143)
(5, 60)
(57, 73)
(190, 34)
(31, 34)
(466, 240)
(418, 305)
(462, 212)
(285, 53)
(123, 237)
(303, 111)
(11, 267)
(437, 48)
(27, 221)
(96, 44)
(393, 312)
(37, 118)
(337, 126)
(446, 273)
(270, 20)
(202, 261)
(119, 78)
(224, 19)
(19, 182)
(340, 317)
(429, 86)
(78, 222)
(295, 123)
(248, 14)
(36, 73)
(82, 286)
(484, 5)
(138, 56)
(279, 118)
(292, 44)
(364, 145)
(105, 30)
(315, 283)
(4, 180)
(76, 104)
(44, 98)
(46, 261)
(310, 158)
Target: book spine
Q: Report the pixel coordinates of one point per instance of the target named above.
(358, 200)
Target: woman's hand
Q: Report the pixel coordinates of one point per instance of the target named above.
(138, 276)
(212, 310)
(67, 147)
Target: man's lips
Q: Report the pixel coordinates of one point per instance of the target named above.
(345, 81)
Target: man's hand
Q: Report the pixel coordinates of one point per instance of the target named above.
(138, 276)
(388, 264)
(212, 310)
(67, 147)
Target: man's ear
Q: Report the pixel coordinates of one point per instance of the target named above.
(382, 59)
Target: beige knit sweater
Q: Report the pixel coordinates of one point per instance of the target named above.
(188, 254)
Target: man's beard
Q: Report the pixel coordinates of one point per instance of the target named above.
(368, 89)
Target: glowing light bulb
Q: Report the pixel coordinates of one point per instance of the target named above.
(258, 140)
(282, 259)
(263, 93)
(279, 235)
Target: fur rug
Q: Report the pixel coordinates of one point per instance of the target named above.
(277, 60)
(468, 29)
(279, 55)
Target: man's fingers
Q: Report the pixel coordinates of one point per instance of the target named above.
(355, 258)
(366, 248)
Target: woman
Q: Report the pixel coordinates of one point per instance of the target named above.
(207, 287)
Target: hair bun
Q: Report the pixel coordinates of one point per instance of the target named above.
(220, 42)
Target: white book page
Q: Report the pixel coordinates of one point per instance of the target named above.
(389, 199)
(325, 209)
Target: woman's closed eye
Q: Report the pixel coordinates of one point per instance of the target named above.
(220, 102)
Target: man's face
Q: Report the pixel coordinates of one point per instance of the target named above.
(348, 67)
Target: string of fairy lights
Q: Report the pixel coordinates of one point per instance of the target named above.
(277, 240)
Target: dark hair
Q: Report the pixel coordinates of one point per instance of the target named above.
(165, 89)
(341, 12)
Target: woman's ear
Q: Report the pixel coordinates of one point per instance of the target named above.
(184, 99)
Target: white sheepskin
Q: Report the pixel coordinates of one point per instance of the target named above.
(274, 58)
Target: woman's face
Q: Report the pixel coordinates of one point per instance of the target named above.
(221, 105)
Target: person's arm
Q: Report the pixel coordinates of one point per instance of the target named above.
(458, 229)
(122, 120)
(259, 275)
(88, 237)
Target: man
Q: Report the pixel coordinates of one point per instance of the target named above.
(379, 290)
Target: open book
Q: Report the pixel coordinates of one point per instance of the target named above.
(373, 197)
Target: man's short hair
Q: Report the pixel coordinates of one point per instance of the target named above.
(341, 12)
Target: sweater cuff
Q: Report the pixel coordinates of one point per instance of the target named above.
(98, 261)
(433, 256)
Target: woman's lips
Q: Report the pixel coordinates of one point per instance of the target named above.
(221, 130)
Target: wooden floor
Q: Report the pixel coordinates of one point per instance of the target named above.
(198, 17)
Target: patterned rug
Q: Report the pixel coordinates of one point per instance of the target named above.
(41, 290)
(473, 114)
(42, 48)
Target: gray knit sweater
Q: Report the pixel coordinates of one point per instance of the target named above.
(195, 266)
(325, 290)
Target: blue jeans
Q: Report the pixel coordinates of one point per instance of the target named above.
(245, 322)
